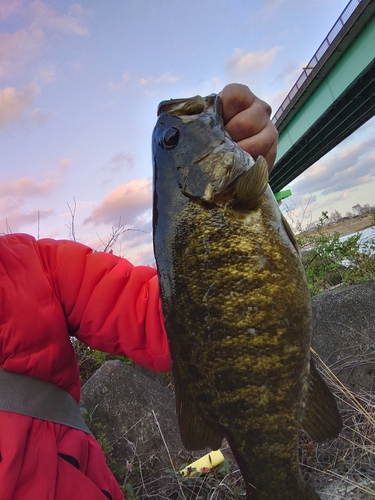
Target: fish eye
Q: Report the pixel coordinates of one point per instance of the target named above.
(170, 138)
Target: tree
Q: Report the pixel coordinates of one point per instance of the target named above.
(366, 208)
(357, 209)
(335, 216)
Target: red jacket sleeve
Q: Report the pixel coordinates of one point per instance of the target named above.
(109, 304)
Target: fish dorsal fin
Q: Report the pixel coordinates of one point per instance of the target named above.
(253, 183)
(321, 418)
(289, 232)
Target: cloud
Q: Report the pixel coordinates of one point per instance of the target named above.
(64, 164)
(142, 253)
(68, 23)
(20, 48)
(21, 200)
(46, 73)
(341, 179)
(25, 187)
(341, 170)
(242, 64)
(12, 221)
(134, 245)
(120, 161)
(115, 86)
(126, 203)
(203, 86)
(14, 213)
(15, 106)
(9, 7)
(289, 75)
(157, 80)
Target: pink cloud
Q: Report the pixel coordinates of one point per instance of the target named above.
(26, 186)
(126, 203)
(43, 15)
(115, 86)
(15, 210)
(64, 164)
(144, 256)
(241, 63)
(15, 220)
(20, 48)
(10, 7)
(15, 106)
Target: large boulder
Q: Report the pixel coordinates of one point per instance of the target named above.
(344, 333)
(344, 338)
(136, 414)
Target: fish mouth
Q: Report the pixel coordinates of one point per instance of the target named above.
(179, 107)
(188, 109)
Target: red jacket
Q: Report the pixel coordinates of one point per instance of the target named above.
(50, 290)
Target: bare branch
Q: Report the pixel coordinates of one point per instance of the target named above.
(116, 232)
(71, 226)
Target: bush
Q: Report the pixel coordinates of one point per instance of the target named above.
(330, 261)
(90, 360)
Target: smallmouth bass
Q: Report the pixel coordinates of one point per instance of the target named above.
(236, 304)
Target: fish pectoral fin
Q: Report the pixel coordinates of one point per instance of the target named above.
(253, 183)
(321, 419)
(195, 433)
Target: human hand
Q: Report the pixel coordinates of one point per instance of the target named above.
(247, 121)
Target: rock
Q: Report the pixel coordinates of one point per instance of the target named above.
(137, 414)
(344, 333)
(161, 378)
(344, 338)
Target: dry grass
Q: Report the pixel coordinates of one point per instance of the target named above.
(340, 469)
(223, 483)
(345, 467)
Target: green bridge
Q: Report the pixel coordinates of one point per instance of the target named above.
(332, 98)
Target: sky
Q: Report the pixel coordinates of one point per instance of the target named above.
(79, 88)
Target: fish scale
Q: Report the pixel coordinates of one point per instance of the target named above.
(236, 303)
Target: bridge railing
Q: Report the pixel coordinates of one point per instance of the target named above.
(324, 46)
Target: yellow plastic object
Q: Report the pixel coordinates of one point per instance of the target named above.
(203, 464)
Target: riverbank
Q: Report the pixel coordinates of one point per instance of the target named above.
(347, 226)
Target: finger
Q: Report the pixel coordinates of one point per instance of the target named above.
(235, 98)
(250, 121)
(264, 143)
